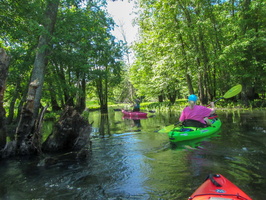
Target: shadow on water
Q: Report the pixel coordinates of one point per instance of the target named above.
(130, 160)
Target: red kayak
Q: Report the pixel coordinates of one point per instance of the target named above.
(134, 114)
(217, 187)
(134, 117)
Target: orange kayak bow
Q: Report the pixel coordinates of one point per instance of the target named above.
(217, 187)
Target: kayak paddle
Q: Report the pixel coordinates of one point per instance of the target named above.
(167, 129)
(232, 92)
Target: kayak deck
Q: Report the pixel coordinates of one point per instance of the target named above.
(134, 114)
(182, 133)
(134, 117)
(217, 187)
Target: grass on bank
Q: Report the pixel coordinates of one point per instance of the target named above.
(178, 106)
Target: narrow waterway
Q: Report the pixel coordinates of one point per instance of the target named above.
(131, 160)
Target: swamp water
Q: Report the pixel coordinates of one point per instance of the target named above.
(131, 160)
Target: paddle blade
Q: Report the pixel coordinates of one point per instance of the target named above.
(233, 91)
(167, 129)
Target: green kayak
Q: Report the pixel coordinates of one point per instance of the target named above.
(186, 132)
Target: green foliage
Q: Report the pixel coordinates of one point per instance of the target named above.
(200, 46)
(54, 116)
(92, 104)
(204, 47)
(81, 44)
(167, 105)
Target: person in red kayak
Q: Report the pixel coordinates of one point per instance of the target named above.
(197, 112)
(136, 106)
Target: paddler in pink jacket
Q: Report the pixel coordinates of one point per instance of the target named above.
(197, 112)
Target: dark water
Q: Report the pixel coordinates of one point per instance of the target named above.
(134, 162)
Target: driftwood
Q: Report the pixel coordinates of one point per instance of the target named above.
(71, 132)
(4, 63)
(70, 136)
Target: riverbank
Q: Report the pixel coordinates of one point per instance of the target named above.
(180, 104)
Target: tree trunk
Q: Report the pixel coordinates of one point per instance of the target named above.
(105, 105)
(15, 96)
(188, 77)
(172, 96)
(54, 104)
(4, 63)
(41, 59)
(20, 105)
(26, 127)
(160, 98)
(81, 99)
(189, 83)
(101, 85)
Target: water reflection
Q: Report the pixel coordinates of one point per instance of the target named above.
(104, 127)
(194, 144)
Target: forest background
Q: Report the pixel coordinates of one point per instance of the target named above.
(62, 53)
